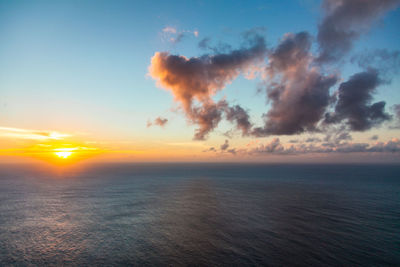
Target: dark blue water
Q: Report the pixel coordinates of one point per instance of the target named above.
(201, 214)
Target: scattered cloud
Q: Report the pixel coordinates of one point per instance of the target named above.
(173, 35)
(276, 147)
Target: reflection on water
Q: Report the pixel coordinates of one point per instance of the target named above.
(201, 215)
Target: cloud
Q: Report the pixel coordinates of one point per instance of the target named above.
(211, 149)
(169, 29)
(178, 38)
(225, 145)
(204, 43)
(207, 117)
(232, 151)
(174, 35)
(240, 117)
(313, 140)
(276, 147)
(387, 62)
(296, 81)
(31, 134)
(193, 81)
(298, 91)
(343, 23)
(374, 137)
(159, 121)
(354, 103)
(396, 109)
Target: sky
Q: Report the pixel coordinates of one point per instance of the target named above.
(245, 81)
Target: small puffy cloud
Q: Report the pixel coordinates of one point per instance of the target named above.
(174, 35)
(159, 121)
(225, 145)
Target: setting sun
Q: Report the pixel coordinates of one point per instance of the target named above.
(63, 154)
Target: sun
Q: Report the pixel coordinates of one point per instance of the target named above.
(63, 154)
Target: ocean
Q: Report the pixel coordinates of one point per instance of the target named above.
(200, 214)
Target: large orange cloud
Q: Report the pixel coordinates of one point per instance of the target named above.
(193, 81)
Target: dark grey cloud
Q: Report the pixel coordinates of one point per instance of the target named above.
(354, 105)
(298, 92)
(343, 23)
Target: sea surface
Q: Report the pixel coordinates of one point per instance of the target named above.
(200, 215)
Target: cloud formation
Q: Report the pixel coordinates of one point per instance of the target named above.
(297, 83)
(193, 81)
(354, 103)
(298, 91)
(343, 23)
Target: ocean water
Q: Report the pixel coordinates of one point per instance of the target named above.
(201, 214)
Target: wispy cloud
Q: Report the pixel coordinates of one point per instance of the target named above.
(18, 133)
(173, 35)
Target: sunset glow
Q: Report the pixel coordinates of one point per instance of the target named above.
(63, 154)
